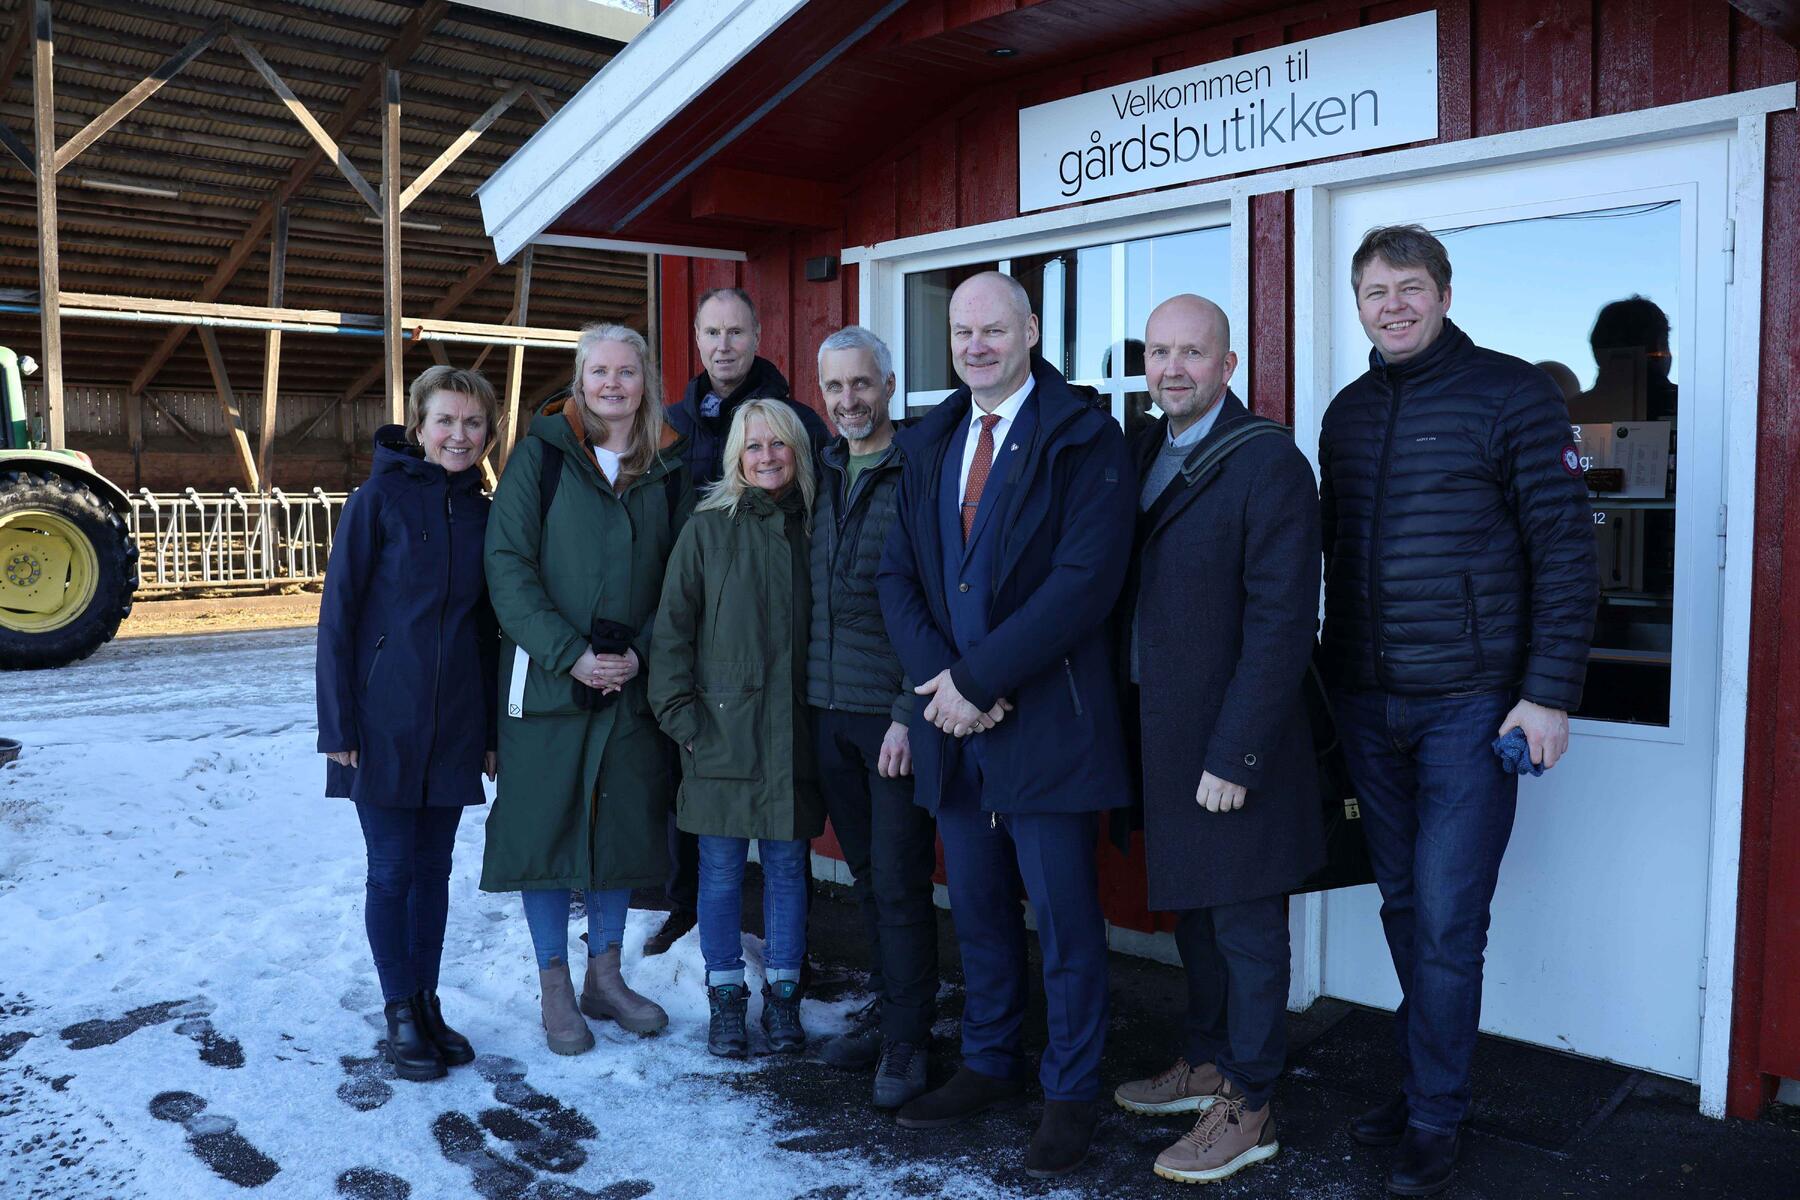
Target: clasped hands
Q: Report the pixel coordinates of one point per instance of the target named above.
(605, 672)
(955, 715)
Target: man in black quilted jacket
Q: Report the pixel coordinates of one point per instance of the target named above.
(862, 703)
(1460, 590)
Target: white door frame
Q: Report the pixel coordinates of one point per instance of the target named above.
(1744, 116)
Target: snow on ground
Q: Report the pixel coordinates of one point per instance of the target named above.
(188, 1008)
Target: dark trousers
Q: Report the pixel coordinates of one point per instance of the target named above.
(682, 887)
(890, 846)
(992, 860)
(1236, 959)
(1437, 811)
(408, 893)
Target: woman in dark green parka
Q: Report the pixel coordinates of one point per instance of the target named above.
(728, 683)
(575, 564)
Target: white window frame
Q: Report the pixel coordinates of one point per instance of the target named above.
(1744, 115)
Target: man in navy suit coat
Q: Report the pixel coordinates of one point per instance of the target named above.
(1016, 508)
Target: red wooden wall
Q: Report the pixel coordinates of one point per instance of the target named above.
(1504, 65)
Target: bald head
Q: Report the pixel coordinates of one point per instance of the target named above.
(992, 332)
(1188, 359)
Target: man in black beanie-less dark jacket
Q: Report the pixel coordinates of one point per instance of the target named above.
(1460, 591)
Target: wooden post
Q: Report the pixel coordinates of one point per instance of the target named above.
(265, 438)
(391, 291)
(49, 266)
(234, 420)
(134, 431)
(515, 365)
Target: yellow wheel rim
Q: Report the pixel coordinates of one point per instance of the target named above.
(48, 571)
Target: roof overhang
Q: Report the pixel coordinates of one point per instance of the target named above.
(682, 53)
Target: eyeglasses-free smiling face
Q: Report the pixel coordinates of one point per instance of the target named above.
(1401, 309)
(612, 383)
(991, 336)
(767, 461)
(455, 431)
(725, 331)
(856, 395)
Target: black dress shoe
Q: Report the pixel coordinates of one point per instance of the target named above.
(1424, 1164)
(1062, 1138)
(965, 1095)
(852, 1051)
(452, 1046)
(412, 1053)
(1381, 1125)
(674, 926)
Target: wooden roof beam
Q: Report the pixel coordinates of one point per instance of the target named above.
(148, 87)
(308, 122)
(399, 51)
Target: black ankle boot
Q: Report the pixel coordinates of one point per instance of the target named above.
(408, 1048)
(1381, 1125)
(452, 1046)
(781, 1017)
(1424, 1164)
(725, 1034)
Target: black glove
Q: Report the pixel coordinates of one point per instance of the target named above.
(606, 637)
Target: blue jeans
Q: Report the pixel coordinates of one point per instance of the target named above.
(547, 915)
(721, 906)
(1437, 811)
(407, 896)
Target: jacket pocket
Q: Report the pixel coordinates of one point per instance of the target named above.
(1472, 620)
(727, 746)
(1074, 696)
(374, 661)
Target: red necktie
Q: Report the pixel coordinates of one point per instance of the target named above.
(978, 473)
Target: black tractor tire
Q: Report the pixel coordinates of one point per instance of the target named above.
(114, 549)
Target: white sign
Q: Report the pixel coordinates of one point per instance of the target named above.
(1338, 94)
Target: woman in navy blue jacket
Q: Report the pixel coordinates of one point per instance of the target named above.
(408, 649)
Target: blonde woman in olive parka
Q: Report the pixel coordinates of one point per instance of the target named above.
(728, 684)
(585, 775)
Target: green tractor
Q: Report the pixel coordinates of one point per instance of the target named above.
(68, 564)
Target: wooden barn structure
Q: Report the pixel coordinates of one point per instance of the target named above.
(224, 223)
(850, 161)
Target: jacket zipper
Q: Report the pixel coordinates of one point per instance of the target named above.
(373, 660)
(437, 670)
(831, 554)
(1377, 654)
(1473, 626)
(1069, 674)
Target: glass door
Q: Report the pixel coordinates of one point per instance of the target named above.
(1607, 271)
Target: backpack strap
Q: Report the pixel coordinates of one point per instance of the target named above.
(549, 479)
(1216, 453)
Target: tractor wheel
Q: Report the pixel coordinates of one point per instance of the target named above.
(68, 567)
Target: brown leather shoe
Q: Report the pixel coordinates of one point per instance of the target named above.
(605, 996)
(964, 1095)
(1062, 1138)
(674, 926)
(1179, 1089)
(1227, 1138)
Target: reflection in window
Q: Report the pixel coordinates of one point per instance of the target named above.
(1092, 304)
(1603, 325)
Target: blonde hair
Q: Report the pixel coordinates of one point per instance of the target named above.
(784, 423)
(444, 378)
(647, 425)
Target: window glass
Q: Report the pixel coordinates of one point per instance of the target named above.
(1605, 325)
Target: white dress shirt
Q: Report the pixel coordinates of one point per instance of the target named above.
(1007, 411)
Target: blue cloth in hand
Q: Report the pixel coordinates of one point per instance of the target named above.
(1515, 754)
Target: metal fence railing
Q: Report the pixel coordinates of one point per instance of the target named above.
(195, 540)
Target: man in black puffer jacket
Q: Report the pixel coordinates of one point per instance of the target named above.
(1460, 591)
(854, 681)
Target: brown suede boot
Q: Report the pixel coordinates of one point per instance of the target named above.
(1179, 1089)
(564, 1030)
(1227, 1138)
(605, 997)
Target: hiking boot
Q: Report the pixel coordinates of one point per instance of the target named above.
(900, 1075)
(1179, 1089)
(564, 1030)
(408, 1048)
(1381, 1125)
(1227, 1138)
(781, 1016)
(452, 1046)
(967, 1093)
(1062, 1138)
(1424, 1164)
(725, 1032)
(674, 926)
(605, 997)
